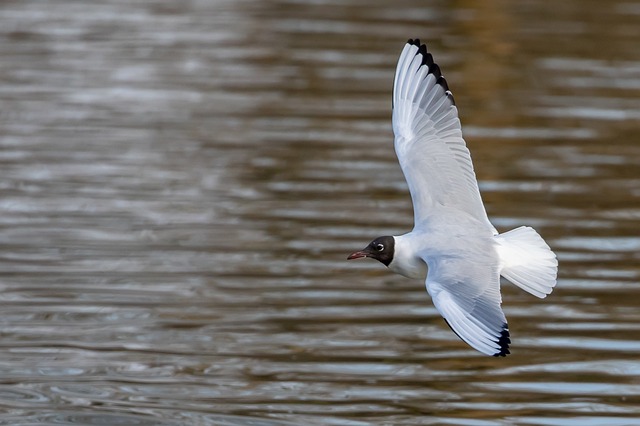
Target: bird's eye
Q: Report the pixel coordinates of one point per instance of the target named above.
(379, 247)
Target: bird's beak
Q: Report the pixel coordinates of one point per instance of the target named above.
(358, 255)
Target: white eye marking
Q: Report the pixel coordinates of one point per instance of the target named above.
(379, 247)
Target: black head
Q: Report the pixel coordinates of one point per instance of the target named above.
(380, 249)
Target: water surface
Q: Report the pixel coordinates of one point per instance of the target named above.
(180, 185)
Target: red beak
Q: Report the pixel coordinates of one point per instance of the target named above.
(357, 255)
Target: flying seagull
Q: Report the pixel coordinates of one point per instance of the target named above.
(453, 246)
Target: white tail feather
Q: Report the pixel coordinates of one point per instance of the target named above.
(527, 261)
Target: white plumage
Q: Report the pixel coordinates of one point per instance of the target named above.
(463, 253)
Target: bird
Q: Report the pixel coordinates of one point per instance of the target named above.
(453, 246)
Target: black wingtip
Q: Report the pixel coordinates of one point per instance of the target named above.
(427, 59)
(504, 341)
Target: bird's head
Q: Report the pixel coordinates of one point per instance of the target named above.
(380, 249)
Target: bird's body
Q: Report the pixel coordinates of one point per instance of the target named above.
(453, 245)
(443, 237)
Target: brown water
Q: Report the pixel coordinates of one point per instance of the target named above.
(180, 184)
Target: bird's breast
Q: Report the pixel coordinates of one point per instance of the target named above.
(410, 268)
(406, 261)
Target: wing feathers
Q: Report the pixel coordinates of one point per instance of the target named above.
(428, 142)
(465, 289)
(401, 71)
(480, 332)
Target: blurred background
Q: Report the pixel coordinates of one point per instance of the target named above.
(181, 182)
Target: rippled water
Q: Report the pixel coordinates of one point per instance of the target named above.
(180, 184)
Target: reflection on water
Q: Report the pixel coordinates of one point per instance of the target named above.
(181, 185)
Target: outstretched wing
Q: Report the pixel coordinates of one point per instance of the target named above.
(468, 297)
(428, 139)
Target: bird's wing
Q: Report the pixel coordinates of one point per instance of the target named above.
(467, 295)
(428, 139)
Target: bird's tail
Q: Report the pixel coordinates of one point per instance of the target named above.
(527, 261)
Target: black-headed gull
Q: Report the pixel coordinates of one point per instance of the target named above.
(453, 245)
